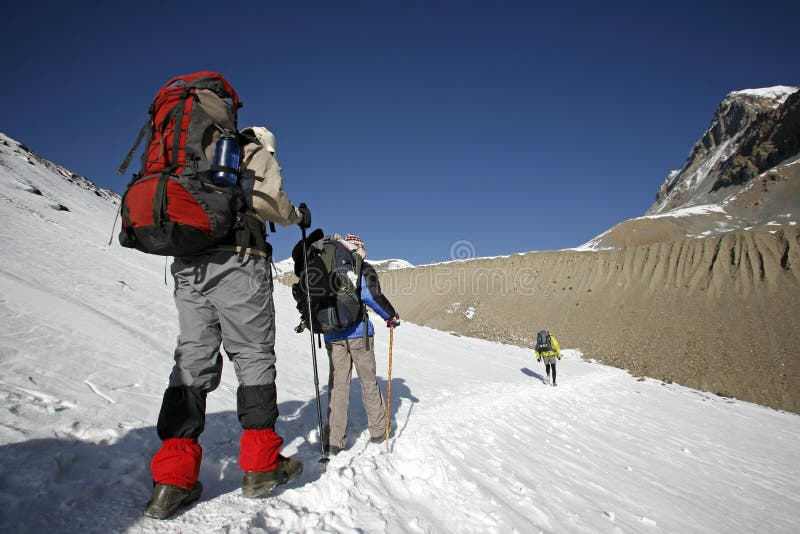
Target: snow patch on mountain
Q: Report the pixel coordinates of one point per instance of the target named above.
(390, 265)
(688, 211)
(698, 180)
(778, 94)
(594, 244)
(285, 267)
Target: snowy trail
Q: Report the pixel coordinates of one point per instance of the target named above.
(479, 443)
(601, 452)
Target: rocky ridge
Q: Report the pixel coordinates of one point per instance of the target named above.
(10, 148)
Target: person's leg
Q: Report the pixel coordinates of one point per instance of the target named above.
(197, 369)
(364, 361)
(339, 377)
(176, 465)
(547, 369)
(554, 373)
(243, 297)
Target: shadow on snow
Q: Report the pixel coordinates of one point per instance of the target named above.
(532, 374)
(64, 484)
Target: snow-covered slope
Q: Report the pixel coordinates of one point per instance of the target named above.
(480, 444)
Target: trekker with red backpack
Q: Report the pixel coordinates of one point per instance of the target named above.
(189, 201)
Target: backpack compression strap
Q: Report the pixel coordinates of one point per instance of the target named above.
(127, 161)
(178, 129)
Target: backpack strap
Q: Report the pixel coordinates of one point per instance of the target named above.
(176, 133)
(127, 161)
(360, 264)
(251, 229)
(160, 200)
(366, 326)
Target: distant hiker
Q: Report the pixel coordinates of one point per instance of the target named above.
(190, 201)
(350, 343)
(547, 348)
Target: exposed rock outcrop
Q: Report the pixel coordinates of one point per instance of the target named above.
(751, 131)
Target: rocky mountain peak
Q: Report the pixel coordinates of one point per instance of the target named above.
(742, 174)
(751, 131)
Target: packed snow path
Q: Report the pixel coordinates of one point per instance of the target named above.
(480, 444)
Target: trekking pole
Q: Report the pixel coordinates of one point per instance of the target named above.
(389, 388)
(323, 458)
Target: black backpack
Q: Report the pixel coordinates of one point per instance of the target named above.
(543, 343)
(334, 280)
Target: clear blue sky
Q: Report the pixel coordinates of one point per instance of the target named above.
(514, 125)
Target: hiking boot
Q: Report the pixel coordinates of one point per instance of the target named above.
(166, 499)
(257, 484)
(379, 439)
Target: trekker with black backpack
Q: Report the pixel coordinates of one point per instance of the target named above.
(191, 201)
(342, 284)
(547, 348)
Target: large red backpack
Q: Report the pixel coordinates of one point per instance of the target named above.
(171, 207)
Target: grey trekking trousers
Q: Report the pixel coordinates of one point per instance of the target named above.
(342, 356)
(221, 302)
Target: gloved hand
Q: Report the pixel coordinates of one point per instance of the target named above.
(538, 359)
(305, 213)
(393, 322)
(559, 357)
(301, 327)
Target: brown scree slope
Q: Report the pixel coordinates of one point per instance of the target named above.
(719, 314)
